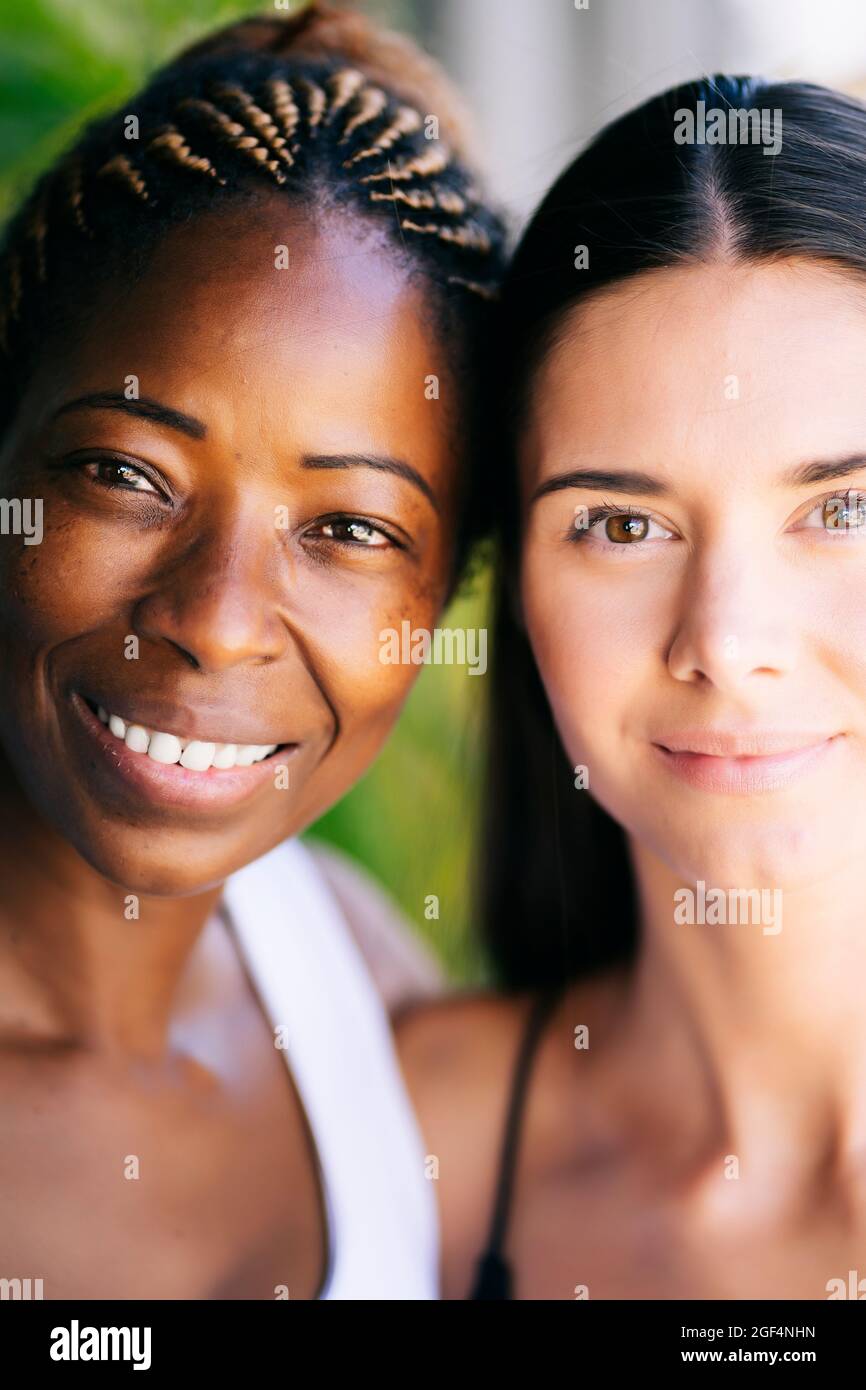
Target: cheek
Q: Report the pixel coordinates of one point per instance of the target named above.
(51, 594)
(360, 620)
(839, 627)
(594, 649)
(364, 686)
(64, 585)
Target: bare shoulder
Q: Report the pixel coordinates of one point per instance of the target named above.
(464, 1044)
(458, 1056)
(456, 1053)
(403, 967)
(457, 1035)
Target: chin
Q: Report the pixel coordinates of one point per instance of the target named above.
(168, 864)
(771, 853)
(156, 876)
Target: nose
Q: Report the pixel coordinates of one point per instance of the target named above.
(217, 599)
(736, 619)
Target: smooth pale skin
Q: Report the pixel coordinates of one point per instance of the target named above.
(722, 1040)
(145, 1037)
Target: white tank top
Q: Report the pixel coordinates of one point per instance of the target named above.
(383, 1240)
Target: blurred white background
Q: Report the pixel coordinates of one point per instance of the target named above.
(544, 75)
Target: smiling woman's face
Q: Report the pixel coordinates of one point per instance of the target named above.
(217, 533)
(727, 618)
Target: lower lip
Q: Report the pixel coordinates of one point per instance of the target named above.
(745, 775)
(169, 784)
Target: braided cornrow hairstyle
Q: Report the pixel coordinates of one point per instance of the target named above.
(325, 108)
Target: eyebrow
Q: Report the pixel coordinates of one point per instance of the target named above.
(823, 471)
(143, 407)
(381, 462)
(618, 480)
(613, 481)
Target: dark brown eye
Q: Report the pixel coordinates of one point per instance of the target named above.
(354, 531)
(624, 528)
(115, 473)
(608, 528)
(125, 476)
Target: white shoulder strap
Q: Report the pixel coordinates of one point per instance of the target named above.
(315, 986)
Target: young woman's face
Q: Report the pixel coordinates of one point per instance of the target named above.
(219, 566)
(725, 406)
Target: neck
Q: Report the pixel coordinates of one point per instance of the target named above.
(78, 968)
(765, 1018)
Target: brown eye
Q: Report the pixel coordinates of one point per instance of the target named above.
(116, 474)
(607, 528)
(354, 531)
(624, 528)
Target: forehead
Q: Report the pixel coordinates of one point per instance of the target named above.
(268, 322)
(725, 366)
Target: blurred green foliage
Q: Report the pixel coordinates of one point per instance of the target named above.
(411, 820)
(63, 61)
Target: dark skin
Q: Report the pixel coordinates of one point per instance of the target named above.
(145, 1037)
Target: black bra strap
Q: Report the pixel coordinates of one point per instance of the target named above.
(493, 1278)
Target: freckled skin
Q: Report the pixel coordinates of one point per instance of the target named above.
(720, 1040)
(328, 356)
(143, 1036)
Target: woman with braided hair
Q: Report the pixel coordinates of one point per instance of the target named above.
(242, 323)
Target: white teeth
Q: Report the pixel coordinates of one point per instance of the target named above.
(137, 738)
(198, 756)
(164, 748)
(225, 754)
(194, 754)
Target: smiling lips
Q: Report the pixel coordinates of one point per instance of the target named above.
(194, 754)
(743, 762)
(142, 765)
(719, 743)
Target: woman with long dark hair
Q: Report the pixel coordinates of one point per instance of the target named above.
(666, 1099)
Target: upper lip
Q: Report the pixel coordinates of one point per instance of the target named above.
(754, 743)
(184, 721)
